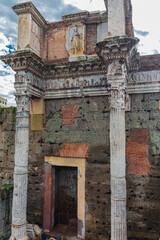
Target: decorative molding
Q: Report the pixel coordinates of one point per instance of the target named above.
(76, 69)
(80, 92)
(24, 60)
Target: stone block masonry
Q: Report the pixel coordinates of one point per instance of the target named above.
(88, 137)
(7, 141)
(6, 192)
(143, 178)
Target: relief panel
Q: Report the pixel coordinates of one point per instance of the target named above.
(76, 39)
(24, 30)
(88, 81)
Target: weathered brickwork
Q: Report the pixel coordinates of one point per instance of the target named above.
(74, 150)
(137, 152)
(150, 62)
(91, 38)
(69, 114)
(143, 128)
(54, 45)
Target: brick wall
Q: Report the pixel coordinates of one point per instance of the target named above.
(54, 43)
(150, 62)
(91, 38)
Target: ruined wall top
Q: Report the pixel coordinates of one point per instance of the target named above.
(72, 39)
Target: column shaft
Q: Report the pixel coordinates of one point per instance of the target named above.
(118, 181)
(19, 220)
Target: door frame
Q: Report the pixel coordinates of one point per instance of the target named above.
(49, 191)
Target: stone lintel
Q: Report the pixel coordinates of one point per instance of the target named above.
(75, 17)
(97, 17)
(24, 60)
(29, 7)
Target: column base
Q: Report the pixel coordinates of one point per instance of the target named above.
(14, 238)
(19, 232)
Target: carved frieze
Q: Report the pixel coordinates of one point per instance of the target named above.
(144, 77)
(78, 82)
(143, 82)
(29, 78)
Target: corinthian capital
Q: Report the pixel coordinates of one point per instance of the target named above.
(23, 103)
(117, 98)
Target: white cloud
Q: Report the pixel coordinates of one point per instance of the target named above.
(87, 4)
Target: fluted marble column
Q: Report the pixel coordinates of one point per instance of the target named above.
(117, 151)
(19, 221)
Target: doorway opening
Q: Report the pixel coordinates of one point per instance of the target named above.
(65, 210)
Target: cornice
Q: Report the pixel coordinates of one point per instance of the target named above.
(29, 7)
(75, 17)
(119, 48)
(24, 60)
(75, 69)
(86, 17)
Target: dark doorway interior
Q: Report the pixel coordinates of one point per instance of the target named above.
(65, 218)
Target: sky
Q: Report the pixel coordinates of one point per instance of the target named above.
(146, 18)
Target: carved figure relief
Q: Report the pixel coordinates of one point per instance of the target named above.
(23, 31)
(76, 39)
(76, 42)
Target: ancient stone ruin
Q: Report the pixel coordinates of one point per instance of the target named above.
(87, 128)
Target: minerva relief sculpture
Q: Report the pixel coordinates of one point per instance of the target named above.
(76, 42)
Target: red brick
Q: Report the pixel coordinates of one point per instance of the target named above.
(48, 199)
(69, 113)
(54, 44)
(75, 150)
(137, 152)
(91, 38)
(150, 62)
